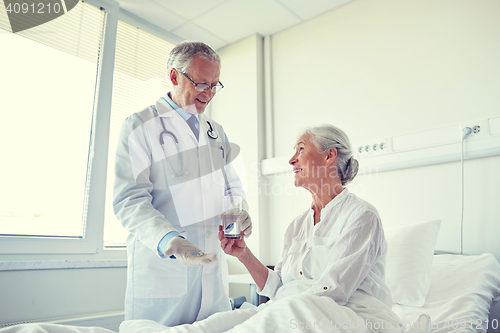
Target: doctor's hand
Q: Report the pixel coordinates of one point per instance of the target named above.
(244, 219)
(234, 247)
(187, 253)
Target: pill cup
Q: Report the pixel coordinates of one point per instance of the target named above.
(231, 207)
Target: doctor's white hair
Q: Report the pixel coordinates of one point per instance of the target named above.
(326, 137)
(183, 53)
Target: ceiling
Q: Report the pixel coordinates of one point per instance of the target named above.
(222, 22)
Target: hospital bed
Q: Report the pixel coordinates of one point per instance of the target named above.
(456, 292)
(462, 291)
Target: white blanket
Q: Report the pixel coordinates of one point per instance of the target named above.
(292, 310)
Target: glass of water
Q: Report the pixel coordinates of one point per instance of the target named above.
(231, 207)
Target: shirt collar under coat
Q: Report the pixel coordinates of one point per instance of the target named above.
(183, 113)
(166, 110)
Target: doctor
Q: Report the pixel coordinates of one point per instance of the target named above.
(173, 166)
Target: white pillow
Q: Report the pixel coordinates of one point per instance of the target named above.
(409, 261)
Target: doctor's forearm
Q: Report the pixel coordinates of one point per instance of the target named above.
(255, 268)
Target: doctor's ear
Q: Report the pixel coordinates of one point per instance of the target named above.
(331, 156)
(174, 76)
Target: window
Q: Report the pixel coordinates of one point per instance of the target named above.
(48, 87)
(140, 78)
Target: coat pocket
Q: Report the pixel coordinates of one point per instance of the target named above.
(155, 277)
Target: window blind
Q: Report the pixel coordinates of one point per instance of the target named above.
(140, 78)
(47, 89)
(78, 32)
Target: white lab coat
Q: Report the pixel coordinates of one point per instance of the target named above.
(151, 199)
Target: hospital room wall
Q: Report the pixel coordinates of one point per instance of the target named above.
(40, 294)
(388, 67)
(239, 109)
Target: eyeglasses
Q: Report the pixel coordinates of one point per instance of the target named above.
(202, 86)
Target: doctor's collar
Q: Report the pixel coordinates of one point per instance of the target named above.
(183, 113)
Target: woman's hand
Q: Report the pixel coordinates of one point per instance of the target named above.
(234, 247)
(238, 248)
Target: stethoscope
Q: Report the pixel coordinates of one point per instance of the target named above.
(213, 135)
(210, 131)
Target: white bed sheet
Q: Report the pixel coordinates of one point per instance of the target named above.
(462, 288)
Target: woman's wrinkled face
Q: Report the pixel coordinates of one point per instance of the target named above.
(309, 165)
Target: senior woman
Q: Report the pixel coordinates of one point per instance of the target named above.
(330, 275)
(335, 249)
(339, 241)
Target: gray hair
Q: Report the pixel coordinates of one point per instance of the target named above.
(183, 54)
(326, 137)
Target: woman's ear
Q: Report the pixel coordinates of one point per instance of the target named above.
(331, 156)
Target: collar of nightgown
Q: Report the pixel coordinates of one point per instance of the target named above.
(334, 202)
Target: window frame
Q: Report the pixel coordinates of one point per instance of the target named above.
(92, 242)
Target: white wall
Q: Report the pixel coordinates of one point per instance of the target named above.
(239, 109)
(387, 67)
(42, 294)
